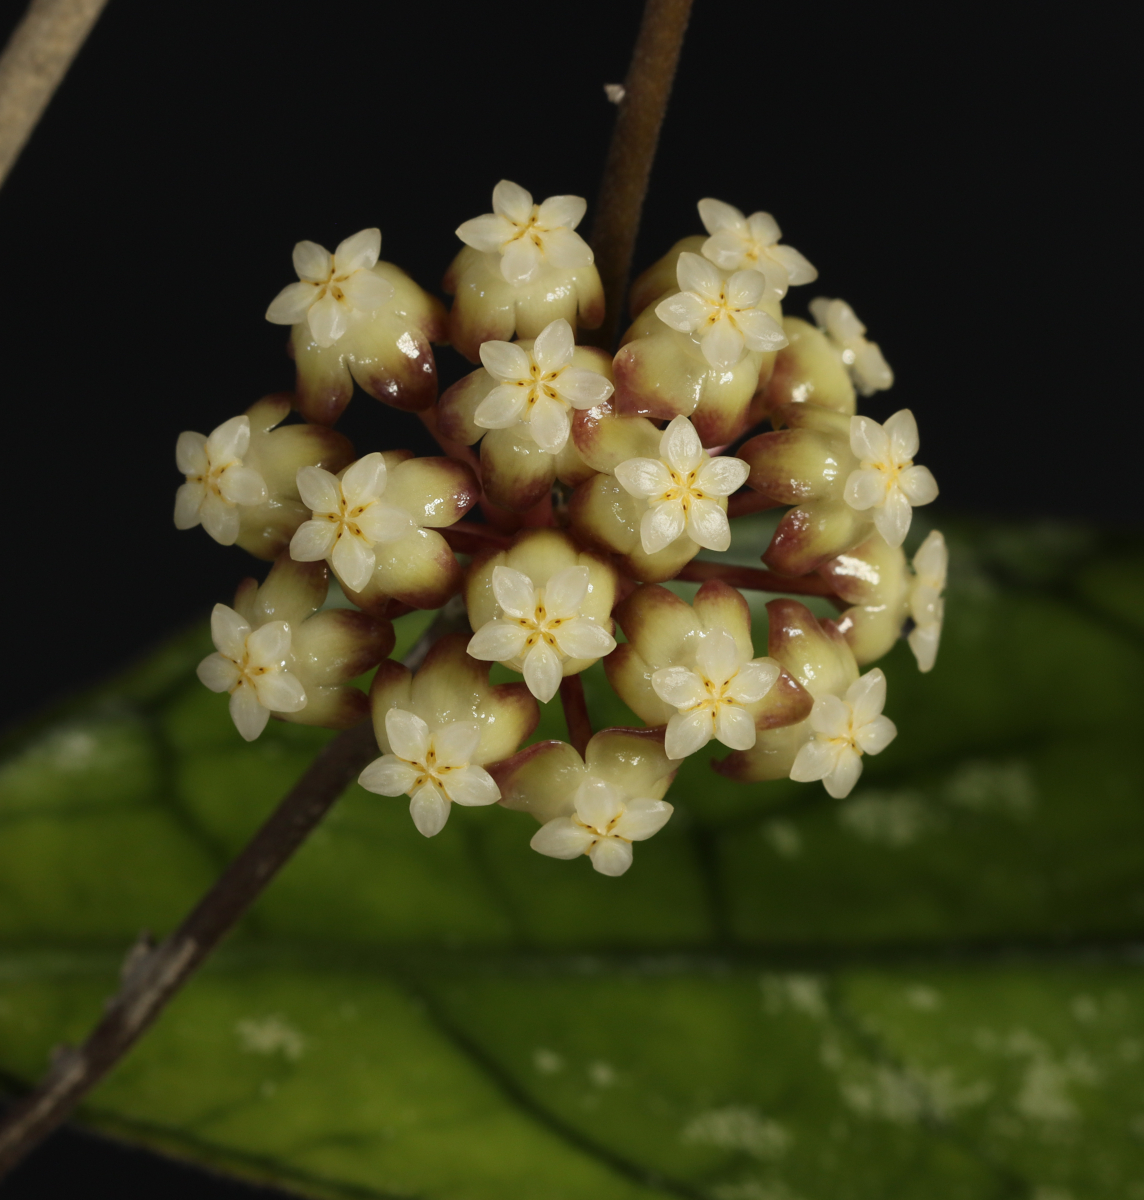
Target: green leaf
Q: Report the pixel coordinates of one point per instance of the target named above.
(929, 990)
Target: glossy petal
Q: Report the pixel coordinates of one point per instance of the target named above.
(924, 644)
(472, 786)
(722, 475)
(383, 522)
(611, 856)
(830, 717)
(598, 803)
(760, 330)
(865, 488)
(717, 215)
(188, 502)
(388, 776)
(867, 696)
(497, 641)
(280, 691)
(360, 251)
(269, 645)
(840, 782)
(763, 228)
(191, 453)
(745, 289)
(242, 485)
(642, 817)
(312, 262)
(688, 732)
(354, 562)
(229, 632)
(456, 743)
(683, 312)
(486, 233)
(799, 269)
(902, 430)
(230, 440)
(520, 261)
(722, 345)
(502, 408)
(218, 672)
(565, 591)
(680, 445)
(893, 519)
(718, 656)
(313, 541)
(554, 345)
(734, 727)
(514, 592)
(366, 291)
(931, 563)
(408, 735)
(581, 388)
(561, 838)
(918, 485)
(869, 441)
(429, 810)
(248, 715)
(561, 210)
(550, 424)
(753, 681)
(542, 671)
(695, 274)
(566, 250)
(291, 304)
(815, 760)
(644, 477)
(512, 201)
(726, 249)
(365, 480)
(327, 320)
(219, 519)
(320, 491)
(876, 735)
(582, 638)
(678, 687)
(707, 525)
(661, 525)
(505, 361)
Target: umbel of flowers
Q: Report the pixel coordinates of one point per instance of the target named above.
(596, 481)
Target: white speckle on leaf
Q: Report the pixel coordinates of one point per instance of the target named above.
(794, 993)
(783, 837)
(893, 819)
(602, 1074)
(738, 1127)
(270, 1035)
(547, 1062)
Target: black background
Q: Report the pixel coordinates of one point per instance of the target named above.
(954, 172)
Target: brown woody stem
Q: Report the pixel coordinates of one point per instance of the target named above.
(632, 150)
(756, 579)
(576, 712)
(33, 65)
(152, 975)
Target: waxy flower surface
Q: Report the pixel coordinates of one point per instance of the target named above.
(598, 805)
(251, 666)
(738, 243)
(529, 236)
(439, 728)
(845, 729)
(887, 480)
(539, 386)
(863, 359)
(679, 487)
(332, 287)
(723, 314)
(926, 606)
(542, 607)
(217, 481)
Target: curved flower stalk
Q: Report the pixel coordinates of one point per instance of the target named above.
(847, 337)
(740, 243)
(521, 402)
(376, 525)
(597, 805)
(357, 319)
(693, 669)
(703, 351)
(846, 475)
(241, 481)
(653, 531)
(277, 655)
(819, 658)
(440, 728)
(543, 607)
(522, 267)
(885, 593)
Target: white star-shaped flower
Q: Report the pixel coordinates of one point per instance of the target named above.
(710, 701)
(332, 287)
(678, 487)
(252, 667)
(751, 243)
(541, 628)
(432, 766)
(528, 236)
(349, 519)
(723, 314)
(887, 479)
(537, 388)
(603, 826)
(868, 369)
(217, 482)
(927, 608)
(844, 730)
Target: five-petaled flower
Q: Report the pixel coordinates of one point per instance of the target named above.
(598, 805)
(527, 235)
(738, 242)
(887, 479)
(863, 359)
(844, 730)
(679, 486)
(251, 666)
(331, 287)
(723, 314)
(537, 387)
(217, 480)
(927, 608)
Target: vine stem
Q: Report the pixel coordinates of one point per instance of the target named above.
(33, 65)
(756, 579)
(632, 151)
(152, 975)
(576, 713)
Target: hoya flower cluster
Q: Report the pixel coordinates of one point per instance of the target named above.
(572, 487)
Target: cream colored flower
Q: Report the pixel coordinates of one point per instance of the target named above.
(926, 606)
(886, 479)
(217, 481)
(678, 487)
(433, 767)
(845, 730)
(349, 519)
(541, 627)
(724, 315)
(868, 369)
(538, 388)
(332, 287)
(751, 243)
(251, 666)
(529, 236)
(711, 702)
